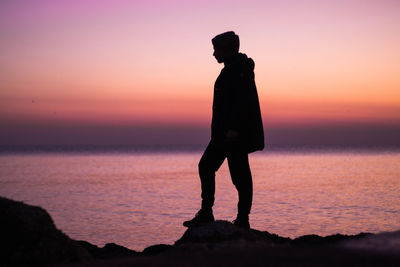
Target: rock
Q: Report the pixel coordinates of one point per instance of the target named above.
(316, 240)
(387, 243)
(220, 235)
(29, 237)
(110, 250)
(222, 243)
(156, 249)
(223, 231)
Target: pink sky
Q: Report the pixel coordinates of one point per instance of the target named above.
(135, 63)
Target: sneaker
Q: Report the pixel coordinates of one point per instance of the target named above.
(203, 216)
(242, 222)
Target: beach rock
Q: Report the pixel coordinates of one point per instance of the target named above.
(110, 250)
(30, 238)
(386, 242)
(223, 235)
(220, 235)
(225, 232)
(316, 240)
(221, 243)
(156, 249)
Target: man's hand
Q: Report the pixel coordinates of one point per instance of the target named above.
(232, 136)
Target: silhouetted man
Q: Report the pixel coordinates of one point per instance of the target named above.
(236, 129)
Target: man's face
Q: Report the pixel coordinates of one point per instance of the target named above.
(219, 54)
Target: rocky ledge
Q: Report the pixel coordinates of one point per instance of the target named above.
(30, 238)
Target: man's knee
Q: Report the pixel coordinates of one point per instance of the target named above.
(203, 167)
(239, 164)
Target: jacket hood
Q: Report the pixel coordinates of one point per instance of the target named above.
(241, 61)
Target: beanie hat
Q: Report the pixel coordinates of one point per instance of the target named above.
(227, 40)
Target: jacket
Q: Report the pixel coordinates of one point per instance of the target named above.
(236, 106)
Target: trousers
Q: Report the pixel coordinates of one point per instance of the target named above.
(239, 169)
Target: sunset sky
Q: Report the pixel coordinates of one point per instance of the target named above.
(142, 72)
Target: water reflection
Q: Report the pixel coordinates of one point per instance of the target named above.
(137, 200)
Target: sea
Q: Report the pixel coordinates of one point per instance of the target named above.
(138, 197)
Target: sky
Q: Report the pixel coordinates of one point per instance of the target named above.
(142, 72)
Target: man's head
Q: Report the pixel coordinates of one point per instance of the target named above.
(225, 45)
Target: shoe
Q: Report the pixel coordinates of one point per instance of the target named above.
(201, 217)
(242, 222)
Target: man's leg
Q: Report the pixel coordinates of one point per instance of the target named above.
(210, 162)
(212, 159)
(241, 177)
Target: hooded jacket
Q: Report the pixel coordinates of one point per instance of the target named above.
(236, 106)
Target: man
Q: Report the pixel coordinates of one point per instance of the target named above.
(236, 130)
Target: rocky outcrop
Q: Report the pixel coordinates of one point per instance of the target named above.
(30, 238)
(221, 235)
(222, 243)
(109, 251)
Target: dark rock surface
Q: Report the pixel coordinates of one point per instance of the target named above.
(156, 249)
(221, 243)
(110, 250)
(30, 238)
(222, 234)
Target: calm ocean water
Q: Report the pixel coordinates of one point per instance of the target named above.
(137, 199)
